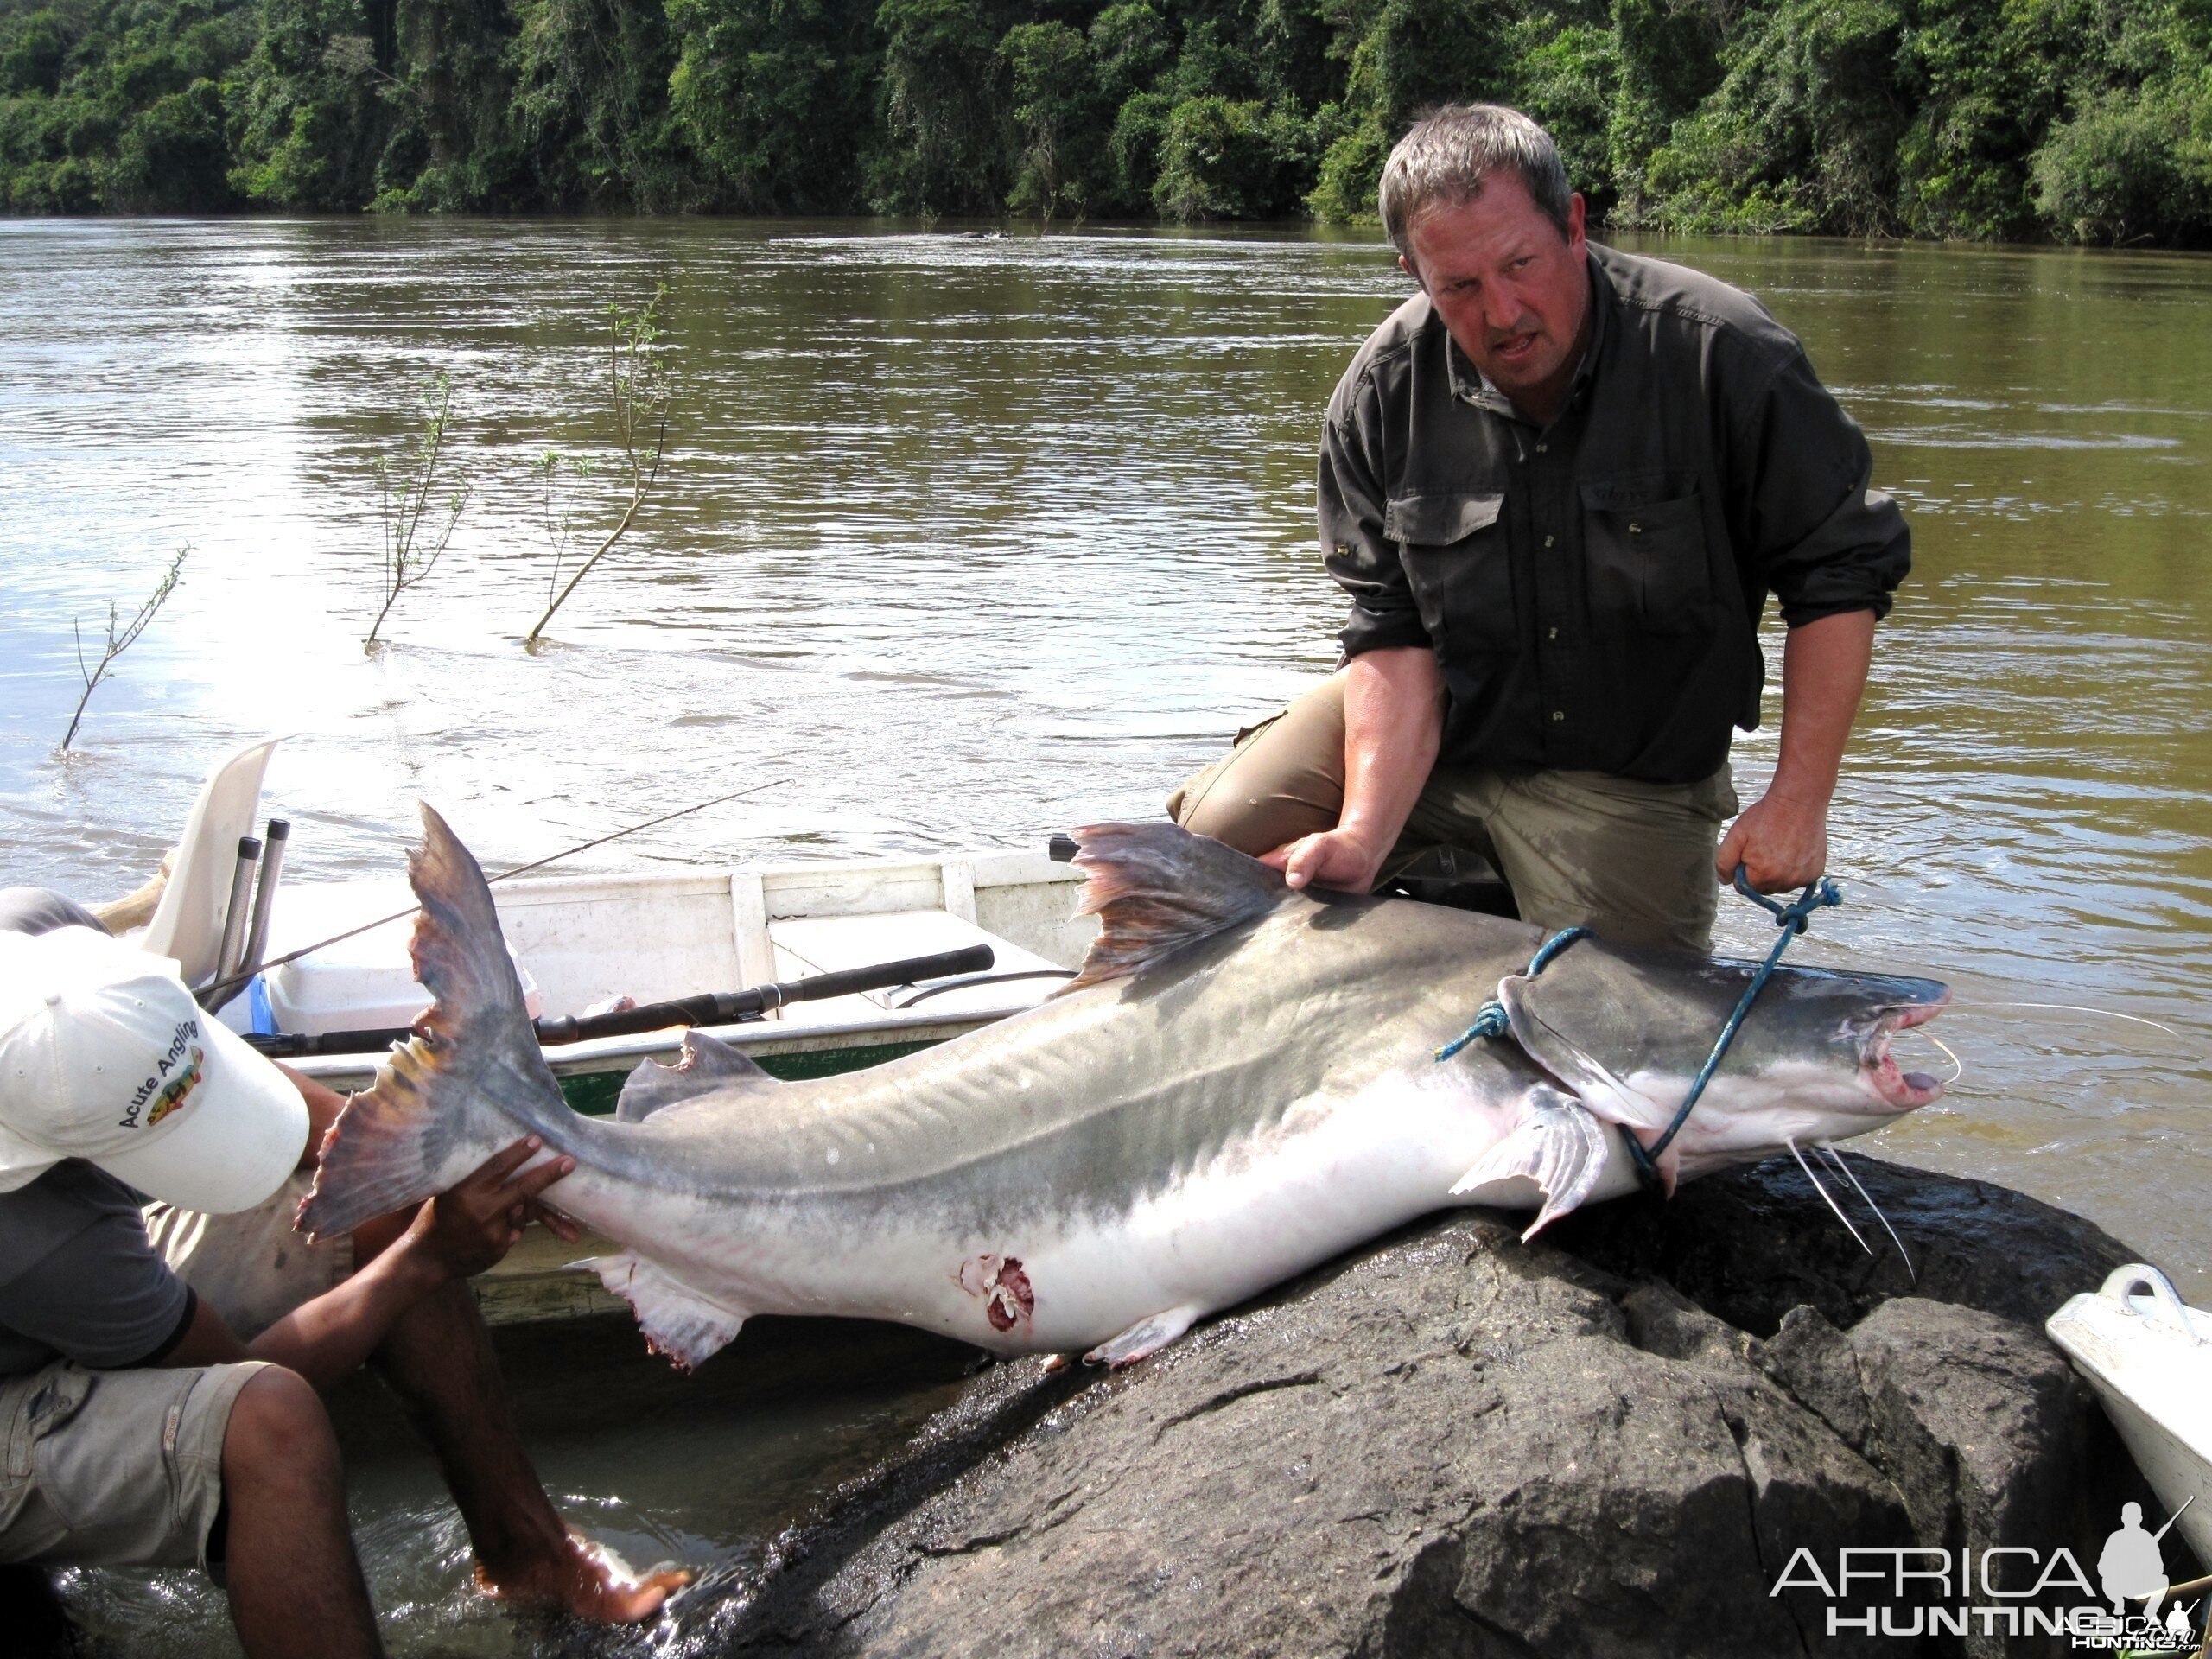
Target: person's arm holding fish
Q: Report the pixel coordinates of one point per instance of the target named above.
(403, 1258)
(1394, 688)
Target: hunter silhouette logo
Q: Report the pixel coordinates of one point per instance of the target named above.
(2004, 1590)
(2132, 1566)
(173, 1093)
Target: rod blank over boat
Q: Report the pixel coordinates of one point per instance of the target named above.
(709, 1008)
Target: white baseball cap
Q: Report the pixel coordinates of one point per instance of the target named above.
(104, 1056)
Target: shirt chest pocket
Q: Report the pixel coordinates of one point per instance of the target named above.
(1453, 549)
(1647, 563)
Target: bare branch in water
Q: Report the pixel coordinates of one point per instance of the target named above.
(405, 483)
(637, 388)
(121, 636)
(557, 477)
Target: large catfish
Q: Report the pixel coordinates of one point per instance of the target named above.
(1241, 1084)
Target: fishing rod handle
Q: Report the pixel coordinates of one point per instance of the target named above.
(968, 959)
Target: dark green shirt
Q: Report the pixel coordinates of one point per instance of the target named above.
(1593, 589)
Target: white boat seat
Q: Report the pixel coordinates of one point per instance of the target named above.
(187, 923)
(822, 945)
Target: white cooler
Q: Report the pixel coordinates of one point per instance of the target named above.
(364, 983)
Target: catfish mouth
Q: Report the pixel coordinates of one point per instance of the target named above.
(1900, 1089)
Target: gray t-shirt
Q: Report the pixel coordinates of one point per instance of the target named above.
(79, 1278)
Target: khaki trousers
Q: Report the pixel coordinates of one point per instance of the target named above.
(1632, 861)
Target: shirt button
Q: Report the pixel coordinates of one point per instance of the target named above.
(1551, 633)
(1539, 448)
(1635, 528)
(1559, 714)
(1547, 540)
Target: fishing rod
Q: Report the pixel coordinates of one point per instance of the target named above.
(709, 1008)
(222, 989)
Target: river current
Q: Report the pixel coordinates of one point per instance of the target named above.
(966, 538)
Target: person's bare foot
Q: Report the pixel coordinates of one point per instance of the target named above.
(586, 1581)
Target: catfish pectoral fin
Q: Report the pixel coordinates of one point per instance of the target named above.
(678, 1321)
(1557, 1144)
(1147, 1336)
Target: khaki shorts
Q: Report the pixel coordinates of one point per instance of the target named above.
(251, 1268)
(114, 1467)
(125, 1468)
(1632, 861)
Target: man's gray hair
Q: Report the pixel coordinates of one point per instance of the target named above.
(1448, 153)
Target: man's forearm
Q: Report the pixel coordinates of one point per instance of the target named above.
(1823, 676)
(330, 1336)
(1393, 721)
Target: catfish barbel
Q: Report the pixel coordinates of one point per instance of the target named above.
(1241, 1084)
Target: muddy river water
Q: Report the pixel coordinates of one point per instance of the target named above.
(968, 538)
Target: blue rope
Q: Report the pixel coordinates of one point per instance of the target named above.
(1792, 919)
(1489, 1019)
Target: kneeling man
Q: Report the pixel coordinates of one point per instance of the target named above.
(1559, 484)
(161, 1366)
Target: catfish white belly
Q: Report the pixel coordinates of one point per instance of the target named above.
(1242, 1083)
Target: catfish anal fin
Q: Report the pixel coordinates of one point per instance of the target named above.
(677, 1321)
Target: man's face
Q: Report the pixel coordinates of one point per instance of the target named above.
(1511, 289)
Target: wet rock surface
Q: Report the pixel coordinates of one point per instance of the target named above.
(1608, 1442)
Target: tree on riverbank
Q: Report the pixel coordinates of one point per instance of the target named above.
(2081, 120)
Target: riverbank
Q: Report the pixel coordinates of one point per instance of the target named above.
(1915, 118)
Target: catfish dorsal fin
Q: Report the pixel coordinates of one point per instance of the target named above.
(708, 1064)
(1156, 888)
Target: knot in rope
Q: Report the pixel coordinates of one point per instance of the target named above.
(1491, 1019)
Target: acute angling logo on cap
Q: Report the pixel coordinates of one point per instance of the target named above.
(178, 1072)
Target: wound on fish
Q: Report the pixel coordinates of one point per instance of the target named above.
(1000, 1281)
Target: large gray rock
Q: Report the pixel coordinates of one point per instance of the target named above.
(1455, 1443)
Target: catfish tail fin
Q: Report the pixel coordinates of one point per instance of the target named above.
(471, 1080)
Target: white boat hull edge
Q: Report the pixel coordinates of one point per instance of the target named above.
(2149, 1357)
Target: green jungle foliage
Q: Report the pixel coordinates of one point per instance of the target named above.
(2074, 120)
